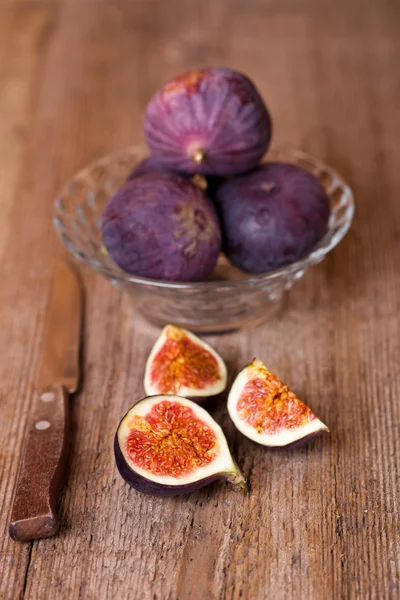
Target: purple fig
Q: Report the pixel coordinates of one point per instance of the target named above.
(167, 445)
(210, 121)
(151, 165)
(268, 412)
(272, 216)
(183, 364)
(163, 227)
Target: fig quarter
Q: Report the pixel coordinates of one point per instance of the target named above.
(267, 411)
(182, 363)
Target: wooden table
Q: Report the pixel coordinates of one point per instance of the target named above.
(319, 522)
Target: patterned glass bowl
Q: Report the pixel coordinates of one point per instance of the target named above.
(230, 299)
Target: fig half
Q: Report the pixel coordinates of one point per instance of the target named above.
(168, 445)
(183, 364)
(266, 411)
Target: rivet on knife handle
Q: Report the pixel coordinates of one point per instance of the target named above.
(43, 467)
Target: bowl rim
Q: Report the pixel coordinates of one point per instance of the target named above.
(324, 246)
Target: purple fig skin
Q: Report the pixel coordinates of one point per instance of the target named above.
(293, 445)
(204, 399)
(302, 442)
(145, 486)
(162, 227)
(210, 121)
(272, 216)
(152, 165)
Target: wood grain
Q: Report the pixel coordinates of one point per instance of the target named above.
(317, 523)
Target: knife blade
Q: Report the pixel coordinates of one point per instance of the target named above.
(45, 455)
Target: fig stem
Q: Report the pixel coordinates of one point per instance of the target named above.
(237, 479)
(198, 156)
(199, 181)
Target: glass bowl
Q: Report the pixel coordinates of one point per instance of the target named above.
(230, 299)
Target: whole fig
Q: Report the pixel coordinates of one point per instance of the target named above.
(272, 216)
(152, 165)
(163, 227)
(209, 121)
(146, 166)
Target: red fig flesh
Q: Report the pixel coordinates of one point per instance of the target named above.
(267, 411)
(209, 121)
(181, 363)
(167, 445)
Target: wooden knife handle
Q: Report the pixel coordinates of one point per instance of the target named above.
(43, 467)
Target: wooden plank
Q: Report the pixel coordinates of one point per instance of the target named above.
(23, 35)
(317, 522)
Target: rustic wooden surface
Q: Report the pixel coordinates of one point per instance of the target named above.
(319, 522)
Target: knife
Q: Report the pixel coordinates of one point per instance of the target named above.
(44, 460)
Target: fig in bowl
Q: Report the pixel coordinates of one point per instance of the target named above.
(271, 217)
(183, 364)
(230, 298)
(210, 121)
(167, 445)
(268, 412)
(163, 227)
(152, 165)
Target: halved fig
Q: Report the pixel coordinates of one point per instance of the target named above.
(265, 410)
(168, 445)
(181, 363)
